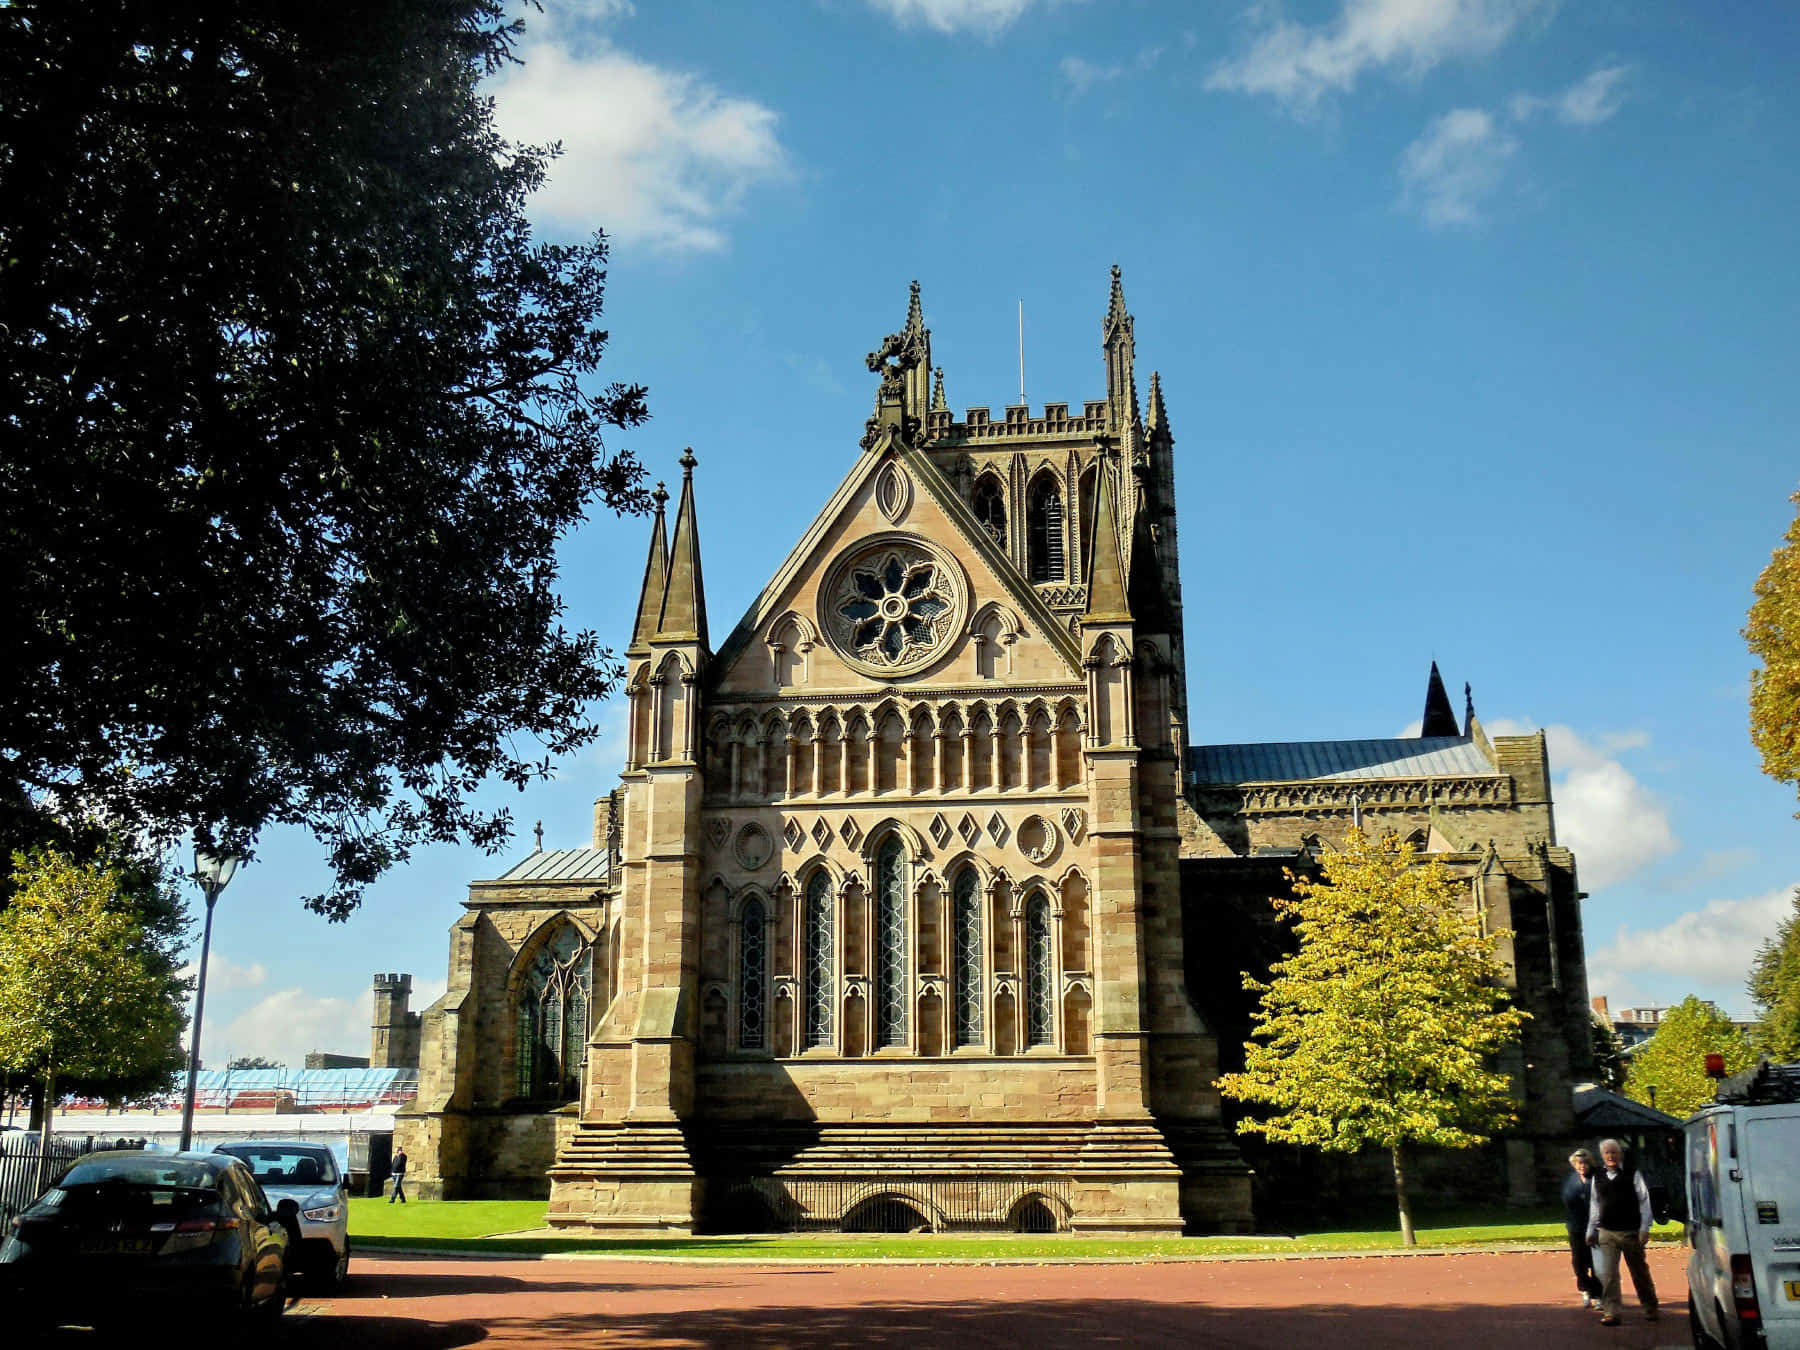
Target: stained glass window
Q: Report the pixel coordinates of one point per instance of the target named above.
(553, 1006)
(890, 944)
(820, 986)
(1040, 987)
(965, 927)
(752, 981)
(895, 606)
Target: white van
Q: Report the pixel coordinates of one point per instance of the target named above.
(1743, 1192)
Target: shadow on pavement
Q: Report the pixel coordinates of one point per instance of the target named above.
(297, 1331)
(1102, 1322)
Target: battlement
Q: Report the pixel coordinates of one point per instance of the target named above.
(392, 983)
(978, 423)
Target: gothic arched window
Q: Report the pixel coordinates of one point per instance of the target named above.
(820, 986)
(989, 503)
(753, 983)
(1040, 989)
(1084, 519)
(552, 1010)
(965, 929)
(1044, 531)
(890, 944)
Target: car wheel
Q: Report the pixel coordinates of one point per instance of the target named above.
(333, 1275)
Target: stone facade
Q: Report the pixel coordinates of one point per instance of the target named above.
(889, 920)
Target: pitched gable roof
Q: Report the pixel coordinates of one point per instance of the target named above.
(944, 496)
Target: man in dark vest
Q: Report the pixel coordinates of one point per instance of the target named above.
(1619, 1224)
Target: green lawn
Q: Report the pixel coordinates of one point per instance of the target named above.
(474, 1225)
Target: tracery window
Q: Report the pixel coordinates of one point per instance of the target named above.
(1040, 991)
(753, 983)
(965, 929)
(890, 944)
(820, 986)
(1044, 537)
(990, 508)
(553, 1002)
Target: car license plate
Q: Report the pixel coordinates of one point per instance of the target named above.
(1793, 1290)
(111, 1246)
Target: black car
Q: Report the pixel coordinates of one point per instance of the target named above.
(191, 1230)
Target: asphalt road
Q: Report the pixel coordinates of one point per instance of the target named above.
(1487, 1300)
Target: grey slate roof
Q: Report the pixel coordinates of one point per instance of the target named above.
(1299, 761)
(560, 864)
(1596, 1109)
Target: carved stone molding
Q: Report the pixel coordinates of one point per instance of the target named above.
(1342, 796)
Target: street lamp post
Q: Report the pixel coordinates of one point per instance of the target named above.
(212, 872)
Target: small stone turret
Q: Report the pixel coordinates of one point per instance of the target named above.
(394, 1030)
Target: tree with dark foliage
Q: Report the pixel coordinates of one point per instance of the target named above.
(293, 412)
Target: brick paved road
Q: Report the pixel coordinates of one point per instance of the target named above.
(1498, 1300)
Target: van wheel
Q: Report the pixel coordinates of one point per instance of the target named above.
(1697, 1329)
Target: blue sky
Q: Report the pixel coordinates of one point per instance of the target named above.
(1475, 319)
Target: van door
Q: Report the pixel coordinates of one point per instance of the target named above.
(1771, 1195)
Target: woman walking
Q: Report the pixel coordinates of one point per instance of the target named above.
(1577, 1198)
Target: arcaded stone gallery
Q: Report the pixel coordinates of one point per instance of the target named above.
(912, 907)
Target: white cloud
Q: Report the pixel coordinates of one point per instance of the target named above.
(1616, 825)
(1590, 100)
(1449, 174)
(1082, 74)
(1299, 65)
(954, 16)
(222, 973)
(1714, 944)
(285, 1025)
(653, 156)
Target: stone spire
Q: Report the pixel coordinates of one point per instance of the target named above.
(903, 361)
(1158, 419)
(938, 402)
(1118, 340)
(656, 574)
(1440, 717)
(1468, 709)
(1106, 598)
(683, 615)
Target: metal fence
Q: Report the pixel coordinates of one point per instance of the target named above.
(1021, 1204)
(19, 1167)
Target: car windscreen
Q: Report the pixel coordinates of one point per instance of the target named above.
(275, 1165)
(138, 1170)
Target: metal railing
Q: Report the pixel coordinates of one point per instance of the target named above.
(19, 1167)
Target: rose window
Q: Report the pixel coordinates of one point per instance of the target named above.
(893, 608)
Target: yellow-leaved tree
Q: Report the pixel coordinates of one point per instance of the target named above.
(1380, 1031)
(1773, 633)
(82, 989)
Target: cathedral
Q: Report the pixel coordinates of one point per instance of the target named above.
(913, 907)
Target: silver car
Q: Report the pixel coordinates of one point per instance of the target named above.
(307, 1174)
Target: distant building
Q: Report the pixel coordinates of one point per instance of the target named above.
(320, 1059)
(394, 1030)
(1634, 1026)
